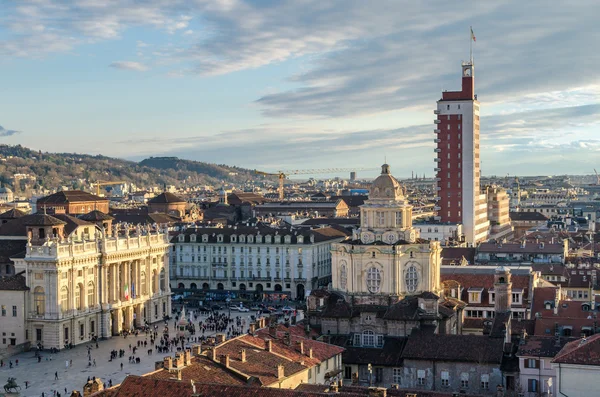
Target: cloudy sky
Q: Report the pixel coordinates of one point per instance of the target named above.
(275, 84)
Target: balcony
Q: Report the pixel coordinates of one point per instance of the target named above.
(437, 121)
(437, 150)
(300, 280)
(437, 198)
(287, 280)
(437, 160)
(437, 218)
(437, 131)
(437, 169)
(438, 179)
(436, 208)
(437, 140)
(436, 111)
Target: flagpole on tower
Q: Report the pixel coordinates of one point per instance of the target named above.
(471, 44)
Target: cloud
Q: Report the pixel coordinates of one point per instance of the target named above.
(129, 65)
(4, 132)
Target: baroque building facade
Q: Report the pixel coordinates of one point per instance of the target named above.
(87, 281)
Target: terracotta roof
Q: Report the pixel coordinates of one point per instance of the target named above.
(41, 220)
(202, 368)
(12, 214)
(145, 218)
(9, 248)
(331, 221)
(69, 196)
(16, 282)
(166, 198)
(72, 223)
(96, 216)
(463, 348)
(541, 346)
(585, 351)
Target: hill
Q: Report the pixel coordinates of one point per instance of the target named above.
(36, 169)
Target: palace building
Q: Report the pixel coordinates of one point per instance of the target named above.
(88, 279)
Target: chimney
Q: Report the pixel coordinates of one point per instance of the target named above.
(280, 371)
(252, 329)
(168, 362)
(197, 350)
(187, 359)
(268, 345)
(92, 386)
(310, 354)
(243, 354)
(273, 330)
(301, 346)
(287, 339)
(225, 360)
(179, 374)
(333, 388)
(179, 360)
(213, 353)
(377, 392)
(220, 338)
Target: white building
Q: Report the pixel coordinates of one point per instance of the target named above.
(13, 293)
(577, 368)
(86, 281)
(254, 261)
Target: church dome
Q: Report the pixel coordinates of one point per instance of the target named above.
(386, 186)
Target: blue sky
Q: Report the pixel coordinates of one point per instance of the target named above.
(300, 84)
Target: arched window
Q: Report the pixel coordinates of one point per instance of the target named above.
(64, 299)
(343, 276)
(79, 294)
(143, 283)
(373, 280)
(39, 298)
(368, 338)
(91, 291)
(162, 280)
(411, 278)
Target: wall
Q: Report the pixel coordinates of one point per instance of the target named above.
(577, 380)
(12, 327)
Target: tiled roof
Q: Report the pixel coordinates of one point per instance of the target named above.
(72, 223)
(96, 216)
(16, 282)
(527, 216)
(541, 346)
(69, 196)
(585, 351)
(145, 218)
(12, 214)
(463, 348)
(9, 248)
(451, 254)
(41, 220)
(202, 369)
(166, 198)
(529, 248)
(389, 355)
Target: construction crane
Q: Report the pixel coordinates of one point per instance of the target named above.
(106, 183)
(282, 175)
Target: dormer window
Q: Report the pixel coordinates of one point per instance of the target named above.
(250, 239)
(517, 298)
(233, 238)
(193, 238)
(268, 239)
(475, 295)
(181, 238)
(205, 238)
(300, 239)
(288, 239)
(220, 239)
(492, 297)
(278, 239)
(242, 239)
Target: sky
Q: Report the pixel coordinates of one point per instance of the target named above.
(304, 84)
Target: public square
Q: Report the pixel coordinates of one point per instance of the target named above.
(41, 376)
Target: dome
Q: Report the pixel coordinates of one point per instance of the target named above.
(386, 186)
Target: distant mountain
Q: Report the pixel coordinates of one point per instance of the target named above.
(51, 170)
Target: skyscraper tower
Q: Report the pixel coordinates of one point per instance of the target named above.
(459, 199)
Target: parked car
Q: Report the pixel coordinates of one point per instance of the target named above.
(255, 308)
(216, 307)
(234, 308)
(203, 309)
(287, 309)
(266, 311)
(271, 308)
(243, 309)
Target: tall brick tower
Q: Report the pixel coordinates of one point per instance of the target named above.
(459, 199)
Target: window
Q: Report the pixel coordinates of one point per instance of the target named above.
(379, 340)
(373, 280)
(411, 278)
(39, 299)
(421, 377)
(397, 375)
(464, 380)
(91, 294)
(532, 385)
(380, 215)
(532, 363)
(378, 375)
(64, 299)
(445, 378)
(398, 218)
(368, 338)
(356, 339)
(14, 311)
(3, 311)
(348, 372)
(78, 305)
(485, 381)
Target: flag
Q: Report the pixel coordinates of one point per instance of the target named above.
(473, 35)
(126, 292)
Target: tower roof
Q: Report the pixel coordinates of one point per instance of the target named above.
(386, 186)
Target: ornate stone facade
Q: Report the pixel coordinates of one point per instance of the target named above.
(97, 286)
(386, 255)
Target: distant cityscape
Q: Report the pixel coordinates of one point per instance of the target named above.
(248, 282)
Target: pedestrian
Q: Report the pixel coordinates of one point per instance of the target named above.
(110, 383)
(121, 366)
(17, 362)
(71, 363)
(56, 375)
(65, 390)
(94, 362)
(26, 384)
